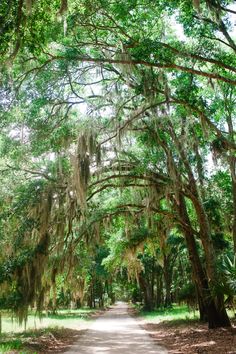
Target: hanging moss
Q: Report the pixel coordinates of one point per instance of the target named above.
(86, 149)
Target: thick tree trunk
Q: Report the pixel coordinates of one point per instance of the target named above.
(211, 307)
(202, 307)
(194, 195)
(216, 313)
(147, 293)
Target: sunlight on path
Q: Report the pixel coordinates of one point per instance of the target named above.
(116, 332)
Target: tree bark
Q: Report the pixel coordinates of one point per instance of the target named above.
(210, 308)
(232, 165)
(233, 177)
(147, 293)
(217, 315)
(167, 272)
(159, 290)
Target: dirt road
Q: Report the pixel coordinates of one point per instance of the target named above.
(116, 332)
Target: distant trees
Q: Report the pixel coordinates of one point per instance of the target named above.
(117, 152)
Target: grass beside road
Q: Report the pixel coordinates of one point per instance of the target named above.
(52, 331)
(179, 330)
(176, 313)
(66, 318)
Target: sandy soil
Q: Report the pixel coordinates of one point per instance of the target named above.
(57, 341)
(193, 338)
(116, 332)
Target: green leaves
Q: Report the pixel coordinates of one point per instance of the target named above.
(229, 268)
(153, 123)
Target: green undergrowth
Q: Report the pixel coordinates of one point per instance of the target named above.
(19, 342)
(176, 315)
(15, 338)
(7, 345)
(63, 318)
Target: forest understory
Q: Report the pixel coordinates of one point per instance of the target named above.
(193, 338)
(55, 338)
(118, 165)
(188, 335)
(177, 336)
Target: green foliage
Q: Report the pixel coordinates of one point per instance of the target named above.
(175, 315)
(110, 114)
(229, 269)
(15, 344)
(187, 293)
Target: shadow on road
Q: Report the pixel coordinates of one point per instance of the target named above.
(116, 332)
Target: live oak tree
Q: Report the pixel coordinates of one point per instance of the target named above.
(88, 88)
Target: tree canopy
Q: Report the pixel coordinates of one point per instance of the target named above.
(117, 153)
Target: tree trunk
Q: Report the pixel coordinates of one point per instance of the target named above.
(217, 315)
(232, 165)
(110, 292)
(147, 293)
(211, 308)
(159, 291)
(90, 299)
(153, 278)
(202, 307)
(167, 272)
(233, 179)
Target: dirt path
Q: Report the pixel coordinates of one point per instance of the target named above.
(116, 332)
